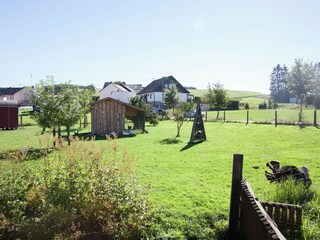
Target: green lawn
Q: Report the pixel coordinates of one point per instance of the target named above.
(252, 98)
(288, 116)
(191, 180)
(231, 93)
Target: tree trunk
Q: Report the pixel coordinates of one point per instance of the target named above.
(218, 115)
(68, 131)
(85, 121)
(59, 136)
(54, 136)
(300, 109)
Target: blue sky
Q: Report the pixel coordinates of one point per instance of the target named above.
(91, 42)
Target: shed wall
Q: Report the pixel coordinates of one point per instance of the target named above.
(107, 117)
(8, 117)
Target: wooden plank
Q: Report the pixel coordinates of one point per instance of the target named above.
(284, 216)
(276, 217)
(108, 117)
(291, 215)
(299, 216)
(235, 195)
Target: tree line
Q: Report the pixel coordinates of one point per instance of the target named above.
(300, 81)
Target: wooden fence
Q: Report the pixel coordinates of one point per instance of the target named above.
(253, 219)
(275, 117)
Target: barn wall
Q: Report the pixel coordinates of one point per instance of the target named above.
(107, 117)
(9, 117)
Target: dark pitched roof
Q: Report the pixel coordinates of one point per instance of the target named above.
(9, 91)
(158, 85)
(121, 86)
(106, 84)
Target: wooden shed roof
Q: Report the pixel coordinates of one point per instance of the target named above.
(129, 108)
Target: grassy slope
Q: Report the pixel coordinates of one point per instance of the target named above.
(198, 179)
(231, 93)
(253, 98)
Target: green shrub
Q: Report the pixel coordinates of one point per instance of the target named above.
(263, 106)
(82, 192)
(293, 192)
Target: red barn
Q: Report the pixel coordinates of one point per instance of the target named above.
(9, 114)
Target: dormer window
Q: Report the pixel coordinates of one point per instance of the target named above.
(169, 85)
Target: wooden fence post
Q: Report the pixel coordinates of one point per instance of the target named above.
(315, 118)
(224, 116)
(276, 118)
(247, 117)
(206, 116)
(235, 196)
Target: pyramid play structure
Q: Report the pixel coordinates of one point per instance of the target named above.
(198, 133)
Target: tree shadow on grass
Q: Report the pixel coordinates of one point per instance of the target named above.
(88, 136)
(170, 141)
(190, 145)
(26, 154)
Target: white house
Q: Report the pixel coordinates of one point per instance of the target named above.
(17, 94)
(153, 93)
(119, 92)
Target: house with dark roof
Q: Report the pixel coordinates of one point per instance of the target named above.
(119, 92)
(17, 94)
(153, 93)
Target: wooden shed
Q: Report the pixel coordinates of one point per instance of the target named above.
(9, 114)
(108, 115)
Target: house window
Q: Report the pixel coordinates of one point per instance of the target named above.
(169, 85)
(150, 95)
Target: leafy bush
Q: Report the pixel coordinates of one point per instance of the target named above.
(316, 102)
(82, 192)
(233, 105)
(263, 105)
(293, 192)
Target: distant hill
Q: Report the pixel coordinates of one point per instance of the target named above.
(252, 98)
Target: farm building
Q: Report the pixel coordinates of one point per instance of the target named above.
(9, 114)
(17, 94)
(154, 92)
(120, 92)
(108, 115)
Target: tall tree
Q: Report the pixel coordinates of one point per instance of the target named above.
(316, 90)
(70, 108)
(46, 108)
(85, 99)
(278, 84)
(151, 116)
(217, 96)
(182, 108)
(301, 81)
(171, 96)
(56, 106)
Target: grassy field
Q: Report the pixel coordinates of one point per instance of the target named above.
(284, 116)
(252, 98)
(192, 180)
